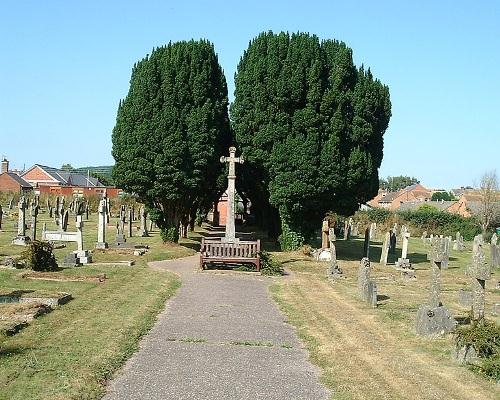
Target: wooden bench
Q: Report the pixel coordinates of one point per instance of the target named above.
(219, 252)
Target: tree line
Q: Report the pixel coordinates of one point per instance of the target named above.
(309, 123)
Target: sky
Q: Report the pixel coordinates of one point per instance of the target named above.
(64, 66)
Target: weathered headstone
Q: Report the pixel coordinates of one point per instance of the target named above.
(144, 228)
(1, 216)
(367, 289)
(11, 203)
(87, 210)
(446, 258)
(434, 319)
(424, 236)
(366, 244)
(64, 220)
(385, 249)
(324, 234)
(459, 242)
(346, 230)
(494, 251)
(392, 243)
(21, 239)
(395, 229)
(130, 221)
(232, 160)
(403, 264)
(108, 208)
(101, 227)
(120, 227)
(373, 230)
(479, 271)
(34, 216)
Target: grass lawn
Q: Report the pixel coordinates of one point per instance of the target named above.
(69, 353)
(367, 353)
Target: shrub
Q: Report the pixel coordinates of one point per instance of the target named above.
(39, 256)
(379, 215)
(268, 266)
(484, 337)
(289, 240)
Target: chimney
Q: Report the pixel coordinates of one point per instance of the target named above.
(5, 165)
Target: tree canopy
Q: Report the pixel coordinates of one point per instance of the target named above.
(395, 183)
(170, 131)
(310, 125)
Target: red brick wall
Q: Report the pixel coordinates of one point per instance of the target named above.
(36, 175)
(7, 184)
(222, 208)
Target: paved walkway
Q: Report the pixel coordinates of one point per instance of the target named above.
(220, 337)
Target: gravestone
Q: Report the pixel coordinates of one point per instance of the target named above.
(346, 230)
(458, 245)
(130, 222)
(434, 319)
(108, 208)
(333, 271)
(367, 289)
(403, 264)
(120, 227)
(34, 216)
(465, 298)
(403, 232)
(446, 258)
(392, 243)
(64, 220)
(366, 244)
(373, 230)
(479, 271)
(21, 239)
(144, 228)
(230, 235)
(324, 234)
(87, 211)
(395, 229)
(424, 236)
(11, 203)
(101, 226)
(51, 212)
(385, 249)
(1, 216)
(494, 251)
(80, 256)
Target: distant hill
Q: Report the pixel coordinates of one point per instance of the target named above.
(104, 170)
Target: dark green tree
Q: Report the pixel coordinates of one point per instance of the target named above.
(438, 196)
(67, 167)
(310, 125)
(171, 130)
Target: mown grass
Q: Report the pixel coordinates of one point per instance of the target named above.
(69, 353)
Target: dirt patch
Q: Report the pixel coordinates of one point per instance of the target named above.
(54, 276)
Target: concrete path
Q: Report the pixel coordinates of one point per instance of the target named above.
(220, 337)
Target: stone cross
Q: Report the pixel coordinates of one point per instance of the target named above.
(34, 216)
(21, 224)
(144, 228)
(479, 271)
(385, 249)
(101, 227)
(231, 189)
(436, 256)
(403, 262)
(324, 234)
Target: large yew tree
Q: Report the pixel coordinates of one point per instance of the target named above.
(310, 125)
(171, 130)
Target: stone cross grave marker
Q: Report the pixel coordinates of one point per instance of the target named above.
(385, 248)
(434, 319)
(367, 289)
(403, 264)
(120, 227)
(333, 271)
(459, 242)
(101, 226)
(80, 256)
(21, 239)
(479, 271)
(230, 235)
(144, 227)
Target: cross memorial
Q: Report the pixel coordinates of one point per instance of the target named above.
(230, 235)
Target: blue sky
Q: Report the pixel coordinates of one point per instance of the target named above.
(65, 65)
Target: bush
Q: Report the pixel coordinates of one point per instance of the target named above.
(268, 266)
(39, 256)
(484, 337)
(289, 240)
(379, 215)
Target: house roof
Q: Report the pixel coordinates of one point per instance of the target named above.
(69, 178)
(415, 205)
(389, 197)
(18, 179)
